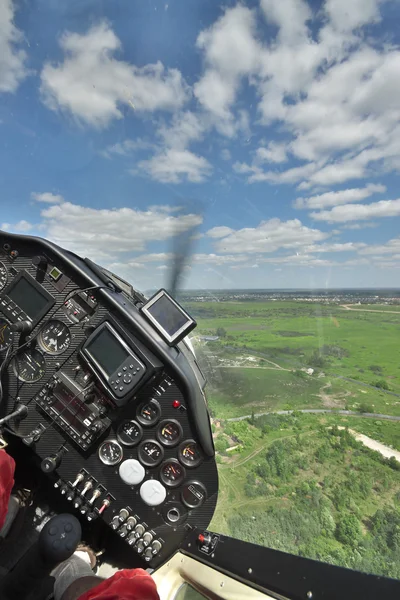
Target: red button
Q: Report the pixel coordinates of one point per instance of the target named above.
(176, 404)
(201, 538)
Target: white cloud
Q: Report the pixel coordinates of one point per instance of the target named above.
(162, 268)
(105, 233)
(23, 226)
(174, 166)
(275, 153)
(126, 147)
(290, 16)
(269, 236)
(186, 127)
(219, 232)
(359, 212)
(391, 247)
(91, 84)
(340, 197)
(346, 15)
(337, 247)
(225, 154)
(13, 58)
(47, 197)
(299, 260)
(368, 225)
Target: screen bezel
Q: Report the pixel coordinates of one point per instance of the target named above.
(180, 333)
(50, 299)
(89, 356)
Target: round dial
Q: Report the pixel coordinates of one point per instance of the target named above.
(110, 452)
(129, 433)
(29, 366)
(3, 275)
(169, 433)
(172, 473)
(55, 337)
(5, 335)
(190, 454)
(150, 453)
(149, 413)
(193, 494)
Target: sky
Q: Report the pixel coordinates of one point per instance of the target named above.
(266, 134)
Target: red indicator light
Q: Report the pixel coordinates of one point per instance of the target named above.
(201, 538)
(176, 404)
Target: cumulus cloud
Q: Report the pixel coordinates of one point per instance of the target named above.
(13, 59)
(269, 236)
(329, 199)
(174, 165)
(359, 212)
(47, 197)
(391, 247)
(91, 84)
(219, 232)
(126, 148)
(274, 152)
(105, 233)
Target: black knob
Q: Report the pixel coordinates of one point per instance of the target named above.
(50, 463)
(32, 437)
(78, 502)
(59, 538)
(96, 427)
(70, 495)
(40, 262)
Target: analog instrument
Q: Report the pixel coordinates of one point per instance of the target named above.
(29, 366)
(150, 453)
(3, 275)
(129, 433)
(149, 413)
(172, 473)
(5, 335)
(193, 494)
(190, 454)
(110, 452)
(55, 337)
(169, 433)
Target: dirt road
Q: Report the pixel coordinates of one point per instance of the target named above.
(350, 307)
(374, 445)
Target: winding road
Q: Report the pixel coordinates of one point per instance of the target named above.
(320, 411)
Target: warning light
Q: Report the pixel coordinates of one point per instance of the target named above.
(176, 404)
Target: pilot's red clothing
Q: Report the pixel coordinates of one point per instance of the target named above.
(7, 468)
(130, 584)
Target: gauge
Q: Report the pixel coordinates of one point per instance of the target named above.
(169, 433)
(129, 433)
(149, 413)
(55, 337)
(190, 454)
(5, 335)
(29, 366)
(110, 452)
(193, 494)
(3, 275)
(172, 473)
(150, 453)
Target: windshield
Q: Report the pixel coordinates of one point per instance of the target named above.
(244, 155)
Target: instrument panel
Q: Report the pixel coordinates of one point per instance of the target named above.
(115, 415)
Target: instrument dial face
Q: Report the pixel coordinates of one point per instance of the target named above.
(149, 413)
(150, 453)
(55, 337)
(129, 433)
(190, 454)
(29, 366)
(193, 494)
(169, 433)
(110, 452)
(3, 275)
(5, 335)
(172, 473)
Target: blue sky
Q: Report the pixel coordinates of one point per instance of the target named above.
(269, 130)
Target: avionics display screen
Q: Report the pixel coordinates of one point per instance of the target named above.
(168, 315)
(106, 350)
(28, 297)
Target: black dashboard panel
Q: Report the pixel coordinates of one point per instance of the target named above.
(139, 457)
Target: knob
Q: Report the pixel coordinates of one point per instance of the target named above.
(148, 554)
(80, 477)
(91, 516)
(84, 509)
(147, 538)
(96, 494)
(130, 524)
(96, 427)
(131, 539)
(78, 502)
(123, 515)
(63, 490)
(51, 463)
(123, 531)
(106, 504)
(70, 495)
(88, 486)
(156, 547)
(40, 262)
(139, 531)
(115, 523)
(140, 547)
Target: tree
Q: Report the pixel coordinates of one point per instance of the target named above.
(348, 529)
(220, 332)
(382, 384)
